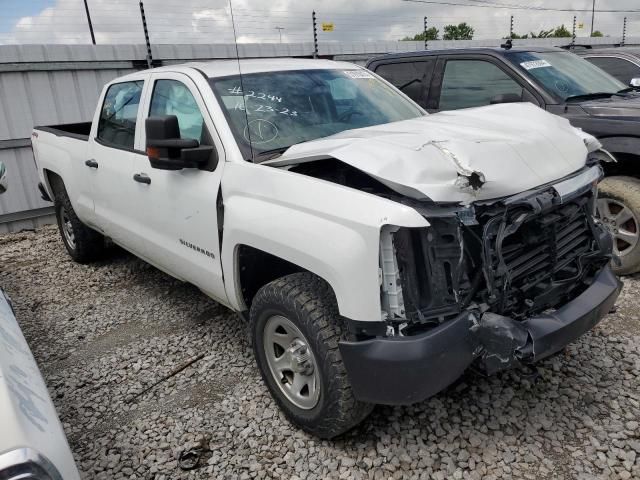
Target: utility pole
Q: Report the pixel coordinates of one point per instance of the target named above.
(280, 32)
(86, 8)
(511, 28)
(425, 33)
(593, 15)
(624, 32)
(315, 34)
(146, 35)
(573, 35)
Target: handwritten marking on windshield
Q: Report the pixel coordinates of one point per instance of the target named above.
(265, 109)
(258, 95)
(262, 131)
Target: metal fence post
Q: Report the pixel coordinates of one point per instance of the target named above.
(511, 27)
(573, 35)
(624, 32)
(315, 35)
(86, 9)
(426, 45)
(146, 35)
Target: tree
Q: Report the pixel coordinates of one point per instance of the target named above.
(432, 34)
(462, 31)
(561, 32)
(597, 33)
(558, 32)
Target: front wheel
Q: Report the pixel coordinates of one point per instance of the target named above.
(295, 329)
(618, 207)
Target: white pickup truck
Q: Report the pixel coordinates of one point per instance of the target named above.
(376, 251)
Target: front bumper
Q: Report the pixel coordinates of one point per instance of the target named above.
(404, 370)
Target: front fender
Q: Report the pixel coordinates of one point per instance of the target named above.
(328, 229)
(630, 145)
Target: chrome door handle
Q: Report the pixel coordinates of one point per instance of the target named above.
(91, 163)
(142, 178)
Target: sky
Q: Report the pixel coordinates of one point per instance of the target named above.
(209, 21)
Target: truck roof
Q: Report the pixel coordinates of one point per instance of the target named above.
(461, 51)
(223, 68)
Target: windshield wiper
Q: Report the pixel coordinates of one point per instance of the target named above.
(589, 96)
(629, 90)
(270, 154)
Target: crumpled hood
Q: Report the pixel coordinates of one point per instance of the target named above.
(458, 156)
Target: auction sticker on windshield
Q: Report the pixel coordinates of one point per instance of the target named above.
(530, 65)
(357, 74)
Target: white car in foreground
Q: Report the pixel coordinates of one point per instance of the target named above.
(32, 441)
(377, 251)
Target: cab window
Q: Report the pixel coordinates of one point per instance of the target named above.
(117, 124)
(171, 97)
(473, 83)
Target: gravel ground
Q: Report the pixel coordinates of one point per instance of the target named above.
(142, 367)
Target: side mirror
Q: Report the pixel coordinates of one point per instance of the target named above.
(635, 82)
(506, 98)
(3, 178)
(167, 151)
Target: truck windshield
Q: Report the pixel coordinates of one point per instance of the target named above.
(566, 75)
(289, 107)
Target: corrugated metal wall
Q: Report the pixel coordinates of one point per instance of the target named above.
(53, 84)
(41, 85)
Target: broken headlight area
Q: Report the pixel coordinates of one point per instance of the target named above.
(502, 262)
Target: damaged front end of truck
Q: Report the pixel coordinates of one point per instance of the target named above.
(502, 261)
(495, 284)
(513, 265)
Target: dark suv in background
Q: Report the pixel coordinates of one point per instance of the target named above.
(556, 80)
(620, 62)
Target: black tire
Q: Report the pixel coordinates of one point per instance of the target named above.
(623, 191)
(86, 245)
(309, 303)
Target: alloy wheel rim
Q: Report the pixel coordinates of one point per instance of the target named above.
(291, 362)
(67, 229)
(621, 223)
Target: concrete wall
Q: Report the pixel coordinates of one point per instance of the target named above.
(53, 84)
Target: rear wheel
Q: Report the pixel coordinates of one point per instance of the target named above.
(619, 209)
(83, 244)
(295, 329)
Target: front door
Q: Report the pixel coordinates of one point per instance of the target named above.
(177, 209)
(472, 82)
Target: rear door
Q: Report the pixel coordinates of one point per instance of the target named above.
(176, 210)
(111, 151)
(411, 76)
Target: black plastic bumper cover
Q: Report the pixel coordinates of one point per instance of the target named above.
(405, 370)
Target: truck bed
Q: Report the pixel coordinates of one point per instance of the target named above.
(63, 150)
(79, 131)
